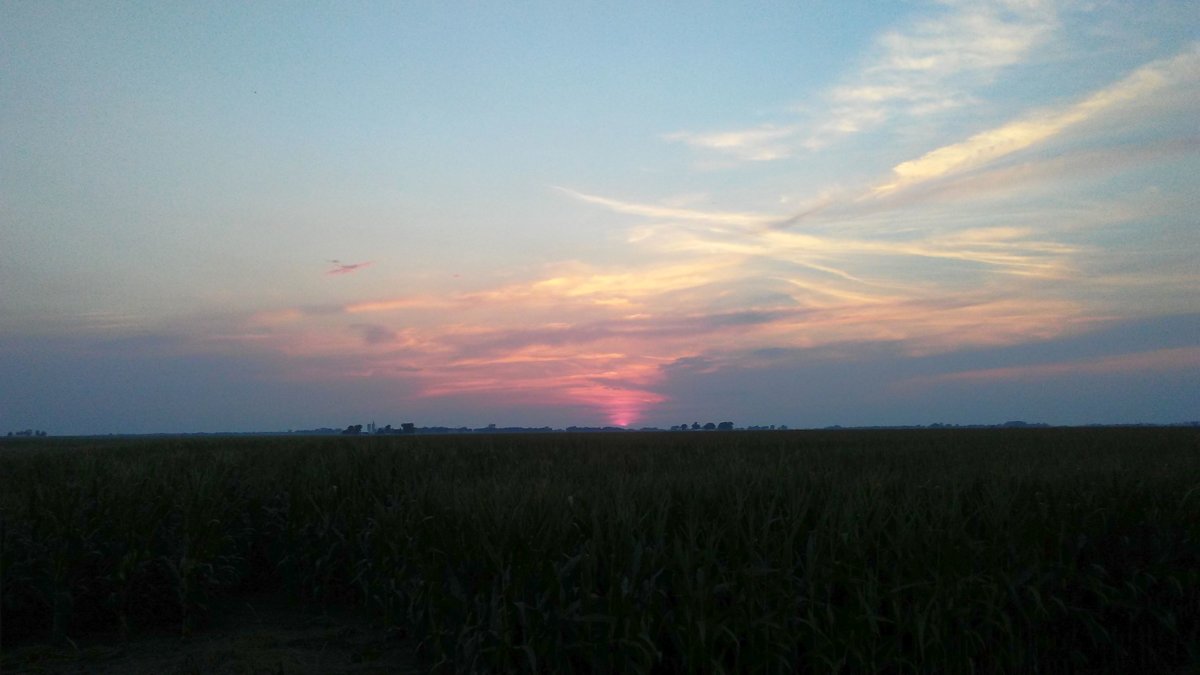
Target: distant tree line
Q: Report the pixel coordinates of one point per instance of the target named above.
(27, 432)
(696, 426)
(357, 429)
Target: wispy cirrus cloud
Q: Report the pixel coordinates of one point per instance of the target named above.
(1005, 249)
(758, 144)
(550, 344)
(672, 212)
(934, 64)
(992, 144)
(1154, 361)
(937, 63)
(410, 302)
(882, 264)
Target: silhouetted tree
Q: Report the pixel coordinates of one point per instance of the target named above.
(710, 427)
(725, 426)
(408, 428)
(696, 426)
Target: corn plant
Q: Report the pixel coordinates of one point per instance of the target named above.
(1053, 550)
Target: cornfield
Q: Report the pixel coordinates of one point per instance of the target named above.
(1011, 550)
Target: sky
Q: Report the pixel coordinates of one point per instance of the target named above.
(227, 216)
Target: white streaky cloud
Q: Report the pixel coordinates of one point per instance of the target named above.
(979, 36)
(927, 67)
(934, 64)
(870, 93)
(1038, 174)
(845, 120)
(760, 144)
(733, 218)
(843, 295)
(1007, 251)
(1023, 258)
(992, 144)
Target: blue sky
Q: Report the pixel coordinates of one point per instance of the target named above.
(272, 216)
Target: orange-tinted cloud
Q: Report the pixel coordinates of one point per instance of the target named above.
(551, 345)
(1159, 360)
(396, 304)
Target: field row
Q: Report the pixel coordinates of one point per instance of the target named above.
(902, 551)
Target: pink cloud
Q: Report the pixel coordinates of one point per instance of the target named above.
(579, 337)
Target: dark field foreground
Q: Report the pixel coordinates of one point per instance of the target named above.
(1037, 550)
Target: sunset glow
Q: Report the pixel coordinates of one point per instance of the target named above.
(561, 216)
